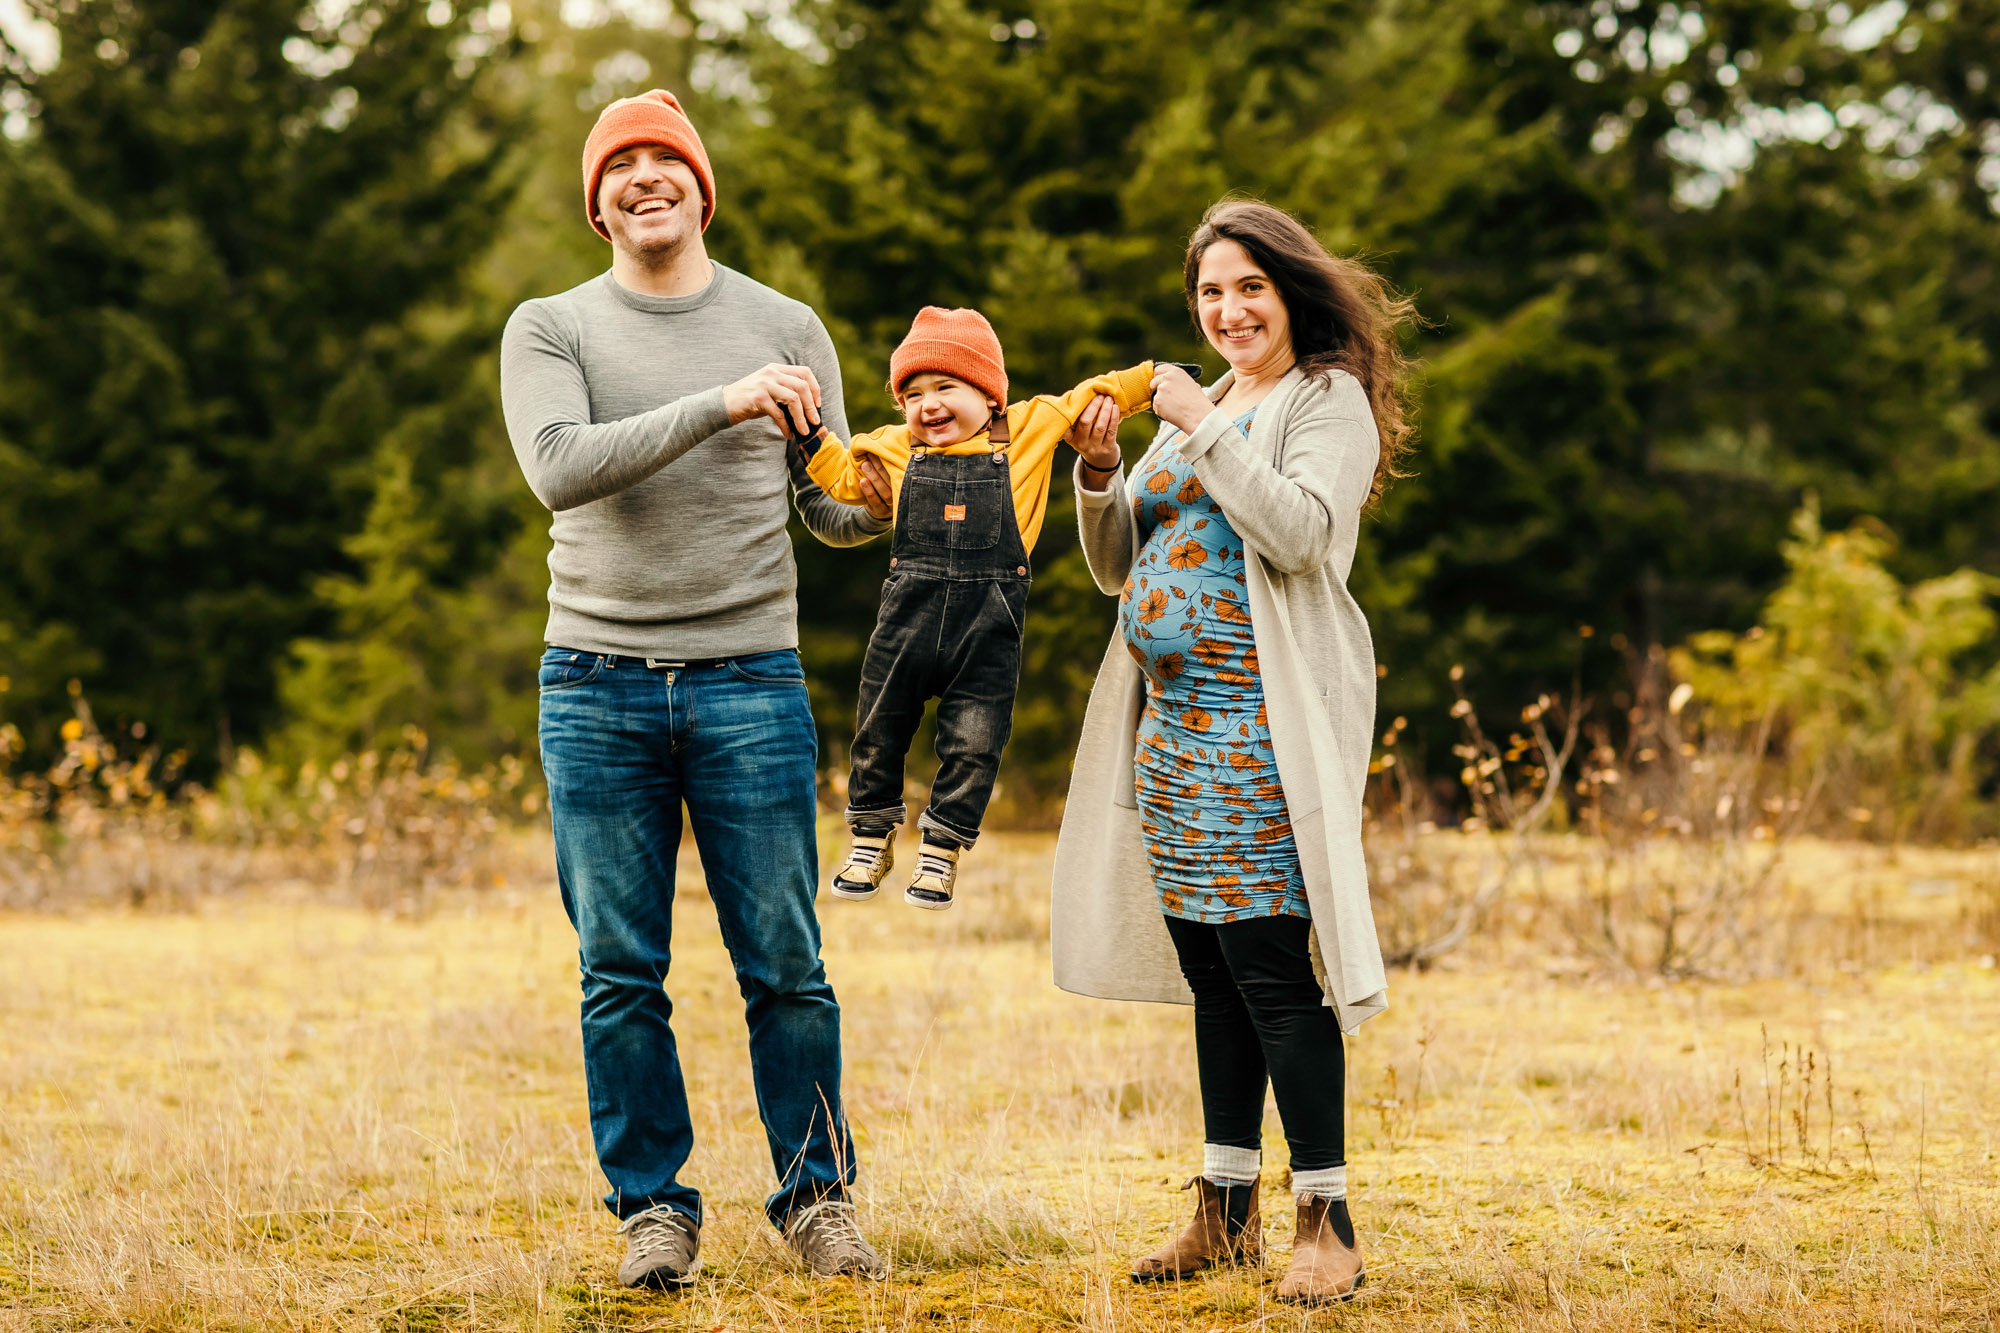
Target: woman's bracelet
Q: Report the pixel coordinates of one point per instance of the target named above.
(1111, 471)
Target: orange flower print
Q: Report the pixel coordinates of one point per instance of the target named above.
(1187, 555)
(1231, 613)
(1228, 677)
(1271, 835)
(1232, 895)
(1244, 763)
(1191, 490)
(1250, 665)
(1195, 718)
(1170, 665)
(1152, 606)
(1212, 652)
(1159, 481)
(1163, 512)
(1137, 656)
(1170, 900)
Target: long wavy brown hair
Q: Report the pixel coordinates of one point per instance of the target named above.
(1344, 315)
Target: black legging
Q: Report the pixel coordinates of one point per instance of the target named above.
(1258, 1012)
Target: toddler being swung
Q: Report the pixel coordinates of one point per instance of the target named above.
(970, 480)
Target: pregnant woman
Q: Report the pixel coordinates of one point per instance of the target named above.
(1211, 846)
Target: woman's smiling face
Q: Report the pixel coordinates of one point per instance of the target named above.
(1242, 315)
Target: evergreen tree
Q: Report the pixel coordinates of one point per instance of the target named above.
(1639, 352)
(235, 232)
(1693, 296)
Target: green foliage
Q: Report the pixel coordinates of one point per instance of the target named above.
(1881, 697)
(1633, 366)
(224, 218)
(1679, 263)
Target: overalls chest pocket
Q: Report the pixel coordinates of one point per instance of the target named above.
(955, 513)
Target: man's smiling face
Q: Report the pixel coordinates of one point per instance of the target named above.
(649, 201)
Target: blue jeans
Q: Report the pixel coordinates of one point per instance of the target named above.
(623, 746)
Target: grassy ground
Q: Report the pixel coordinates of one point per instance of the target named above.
(276, 1113)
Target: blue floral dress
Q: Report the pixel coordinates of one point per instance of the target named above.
(1218, 836)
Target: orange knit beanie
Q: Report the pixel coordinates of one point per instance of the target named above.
(959, 343)
(651, 117)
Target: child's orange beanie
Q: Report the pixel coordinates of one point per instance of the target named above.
(651, 117)
(959, 343)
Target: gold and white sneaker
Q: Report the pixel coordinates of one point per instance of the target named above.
(937, 871)
(867, 865)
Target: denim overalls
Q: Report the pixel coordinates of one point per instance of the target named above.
(949, 628)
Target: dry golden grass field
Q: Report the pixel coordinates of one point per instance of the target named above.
(273, 1112)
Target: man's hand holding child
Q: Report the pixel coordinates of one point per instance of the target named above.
(875, 488)
(789, 395)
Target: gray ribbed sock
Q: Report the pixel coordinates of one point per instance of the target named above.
(1224, 1165)
(1326, 1183)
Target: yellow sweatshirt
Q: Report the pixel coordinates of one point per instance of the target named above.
(1037, 426)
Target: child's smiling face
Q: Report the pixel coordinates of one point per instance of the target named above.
(944, 411)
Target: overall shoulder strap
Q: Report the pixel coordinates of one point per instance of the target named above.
(998, 433)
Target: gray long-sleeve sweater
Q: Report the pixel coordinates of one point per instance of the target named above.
(669, 523)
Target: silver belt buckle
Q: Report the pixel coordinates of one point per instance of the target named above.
(657, 664)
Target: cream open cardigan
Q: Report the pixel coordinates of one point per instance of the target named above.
(1293, 490)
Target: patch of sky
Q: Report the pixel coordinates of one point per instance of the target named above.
(651, 15)
(1897, 128)
(1867, 30)
(38, 42)
(17, 111)
(619, 74)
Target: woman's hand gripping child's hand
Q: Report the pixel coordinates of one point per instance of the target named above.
(1095, 437)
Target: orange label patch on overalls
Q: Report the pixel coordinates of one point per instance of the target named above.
(955, 513)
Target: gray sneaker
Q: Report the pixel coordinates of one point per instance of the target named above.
(827, 1237)
(662, 1249)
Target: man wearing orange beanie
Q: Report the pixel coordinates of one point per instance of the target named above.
(648, 410)
(971, 479)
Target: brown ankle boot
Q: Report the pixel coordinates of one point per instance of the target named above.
(1324, 1269)
(1207, 1240)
